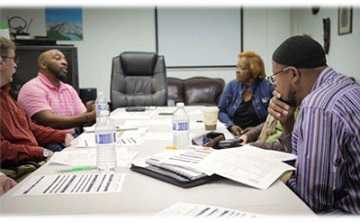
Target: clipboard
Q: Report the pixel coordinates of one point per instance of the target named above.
(172, 177)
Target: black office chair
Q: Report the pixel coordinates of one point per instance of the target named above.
(138, 79)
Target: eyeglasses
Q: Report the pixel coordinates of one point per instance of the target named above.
(272, 77)
(4, 58)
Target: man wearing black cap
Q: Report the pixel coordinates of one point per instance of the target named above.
(326, 134)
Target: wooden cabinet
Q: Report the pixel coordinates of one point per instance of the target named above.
(27, 66)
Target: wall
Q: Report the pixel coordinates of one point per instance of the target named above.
(107, 32)
(344, 51)
(264, 30)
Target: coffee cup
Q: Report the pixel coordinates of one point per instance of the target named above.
(210, 118)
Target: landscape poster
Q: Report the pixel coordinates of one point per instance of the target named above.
(64, 23)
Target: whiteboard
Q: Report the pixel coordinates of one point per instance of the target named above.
(199, 37)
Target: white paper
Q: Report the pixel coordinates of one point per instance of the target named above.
(125, 138)
(257, 152)
(121, 114)
(163, 136)
(204, 211)
(87, 157)
(90, 183)
(248, 167)
(165, 109)
(146, 123)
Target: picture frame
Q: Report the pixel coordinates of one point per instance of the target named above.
(345, 15)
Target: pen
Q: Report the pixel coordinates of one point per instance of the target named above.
(78, 168)
(166, 113)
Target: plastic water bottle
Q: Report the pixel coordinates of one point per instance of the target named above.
(105, 137)
(180, 124)
(101, 106)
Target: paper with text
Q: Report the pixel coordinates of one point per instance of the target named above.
(183, 162)
(121, 114)
(87, 157)
(127, 138)
(250, 167)
(101, 182)
(204, 211)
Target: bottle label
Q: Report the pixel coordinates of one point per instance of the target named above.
(101, 107)
(181, 126)
(107, 138)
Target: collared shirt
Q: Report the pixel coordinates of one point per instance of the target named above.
(231, 99)
(40, 94)
(19, 136)
(326, 139)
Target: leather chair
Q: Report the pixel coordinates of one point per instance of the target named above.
(195, 90)
(138, 79)
(175, 90)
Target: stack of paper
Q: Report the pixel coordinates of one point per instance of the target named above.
(183, 162)
(249, 165)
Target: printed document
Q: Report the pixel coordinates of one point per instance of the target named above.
(128, 138)
(204, 211)
(100, 182)
(121, 114)
(87, 157)
(247, 165)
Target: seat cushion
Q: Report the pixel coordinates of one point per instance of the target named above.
(175, 89)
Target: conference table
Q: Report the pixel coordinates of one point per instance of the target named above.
(142, 195)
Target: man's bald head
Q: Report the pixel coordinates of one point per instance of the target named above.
(46, 56)
(53, 62)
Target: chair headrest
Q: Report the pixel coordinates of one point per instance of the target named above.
(138, 63)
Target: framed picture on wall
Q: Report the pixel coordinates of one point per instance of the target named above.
(344, 20)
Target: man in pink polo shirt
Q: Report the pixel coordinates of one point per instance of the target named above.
(51, 102)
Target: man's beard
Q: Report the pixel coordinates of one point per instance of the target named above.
(290, 99)
(59, 74)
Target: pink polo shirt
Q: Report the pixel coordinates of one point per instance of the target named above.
(40, 94)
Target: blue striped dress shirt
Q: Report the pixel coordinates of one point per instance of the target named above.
(326, 139)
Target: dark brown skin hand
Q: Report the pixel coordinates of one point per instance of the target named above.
(282, 112)
(236, 130)
(213, 142)
(6, 183)
(244, 136)
(90, 106)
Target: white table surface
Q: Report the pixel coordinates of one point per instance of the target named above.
(143, 195)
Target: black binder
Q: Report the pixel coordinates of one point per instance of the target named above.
(172, 177)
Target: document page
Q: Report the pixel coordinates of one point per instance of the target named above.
(253, 169)
(203, 211)
(72, 184)
(87, 157)
(129, 137)
(121, 114)
(254, 151)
